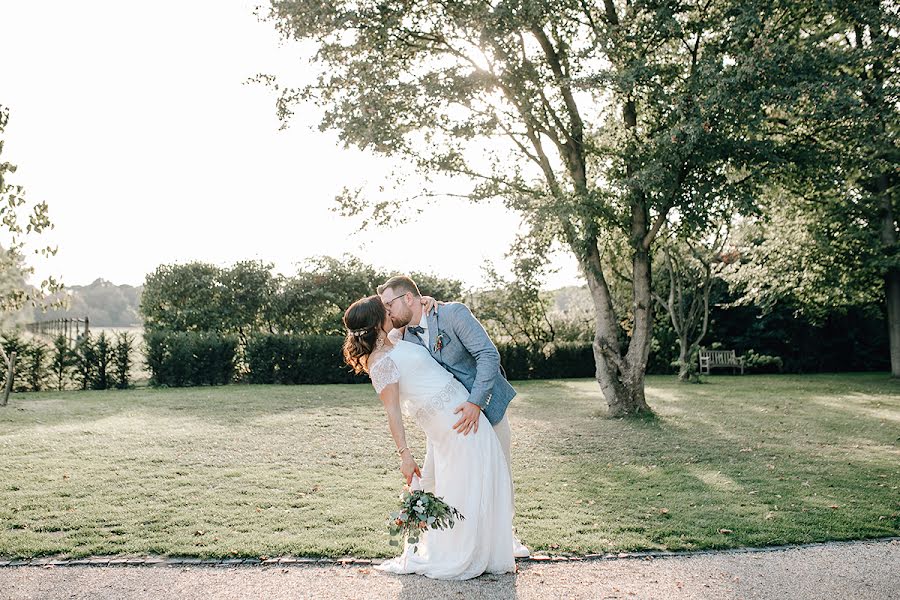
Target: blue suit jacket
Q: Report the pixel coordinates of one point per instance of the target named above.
(469, 354)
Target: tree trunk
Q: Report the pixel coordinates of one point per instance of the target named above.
(892, 275)
(621, 378)
(892, 293)
(10, 374)
(621, 382)
(684, 359)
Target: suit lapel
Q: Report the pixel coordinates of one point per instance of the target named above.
(432, 330)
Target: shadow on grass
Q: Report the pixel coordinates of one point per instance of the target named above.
(762, 465)
(310, 469)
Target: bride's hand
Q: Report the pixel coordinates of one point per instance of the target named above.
(429, 304)
(409, 468)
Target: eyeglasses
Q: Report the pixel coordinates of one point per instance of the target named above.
(388, 303)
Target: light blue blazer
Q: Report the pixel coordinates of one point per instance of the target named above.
(461, 345)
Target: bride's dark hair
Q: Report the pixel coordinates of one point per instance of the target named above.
(363, 321)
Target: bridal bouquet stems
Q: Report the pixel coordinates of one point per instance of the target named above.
(420, 511)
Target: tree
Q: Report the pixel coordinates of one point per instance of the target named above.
(313, 301)
(871, 43)
(14, 293)
(689, 271)
(62, 360)
(589, 118)
(14, 209)
(840, 220)
(247, 290)
(248, 298)
(516, 310)
(185, 297)
(122, 359)
(829, 236)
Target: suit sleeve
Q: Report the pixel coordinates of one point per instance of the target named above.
(471, 334)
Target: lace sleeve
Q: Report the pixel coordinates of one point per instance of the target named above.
(384, 373)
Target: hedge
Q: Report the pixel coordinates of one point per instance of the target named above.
(295, 359)
(557, 361)
(208, 358)
(187, 358)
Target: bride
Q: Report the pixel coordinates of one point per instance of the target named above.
(470, 471)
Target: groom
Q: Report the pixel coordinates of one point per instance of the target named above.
(458, 342)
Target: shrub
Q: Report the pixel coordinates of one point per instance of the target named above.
(568, 360)
(322, 361)
(61, 361)
(85, 361)
(762, 363)
(293, 359)
(517, 361)
(104, 356)
(186, 358)
(35, 368)
(122, 361)
(563, 360)
(13, 342)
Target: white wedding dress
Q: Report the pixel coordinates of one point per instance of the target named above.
(470, 472)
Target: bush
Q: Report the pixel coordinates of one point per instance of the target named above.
(186, 358)
(39, 364)
(122, 361)
(85, 361)
(104, 355)
(557, 361)
(35, 367)
(762, 363)
(323, 361)
(31, 368)
(178, 359)
(297, 359)
(517, 361)
(62, 360)
(272, 358)
(569, 360)
(13, 342)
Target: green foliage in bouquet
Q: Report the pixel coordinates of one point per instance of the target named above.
(420, 511)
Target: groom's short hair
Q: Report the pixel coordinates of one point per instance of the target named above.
(400, 282)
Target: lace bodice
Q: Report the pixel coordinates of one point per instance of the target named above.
(426, 388)
(384, 372)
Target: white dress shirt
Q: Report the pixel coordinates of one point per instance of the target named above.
(424, 335)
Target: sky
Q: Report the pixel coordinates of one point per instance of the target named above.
(136, 123)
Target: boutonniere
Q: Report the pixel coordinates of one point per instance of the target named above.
(439, 340)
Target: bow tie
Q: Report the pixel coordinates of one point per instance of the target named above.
(416, 329)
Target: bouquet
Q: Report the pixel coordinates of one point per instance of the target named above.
(420, 511)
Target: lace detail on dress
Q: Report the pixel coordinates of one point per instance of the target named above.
(437, 402)
(384, 373)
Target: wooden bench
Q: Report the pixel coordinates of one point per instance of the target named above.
(710, 359)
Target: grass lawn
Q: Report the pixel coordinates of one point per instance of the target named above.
(310, 470)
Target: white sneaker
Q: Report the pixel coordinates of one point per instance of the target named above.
(519, 549)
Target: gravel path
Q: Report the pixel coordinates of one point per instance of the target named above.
(854, 570)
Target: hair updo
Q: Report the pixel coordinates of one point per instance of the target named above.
(363, 320)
